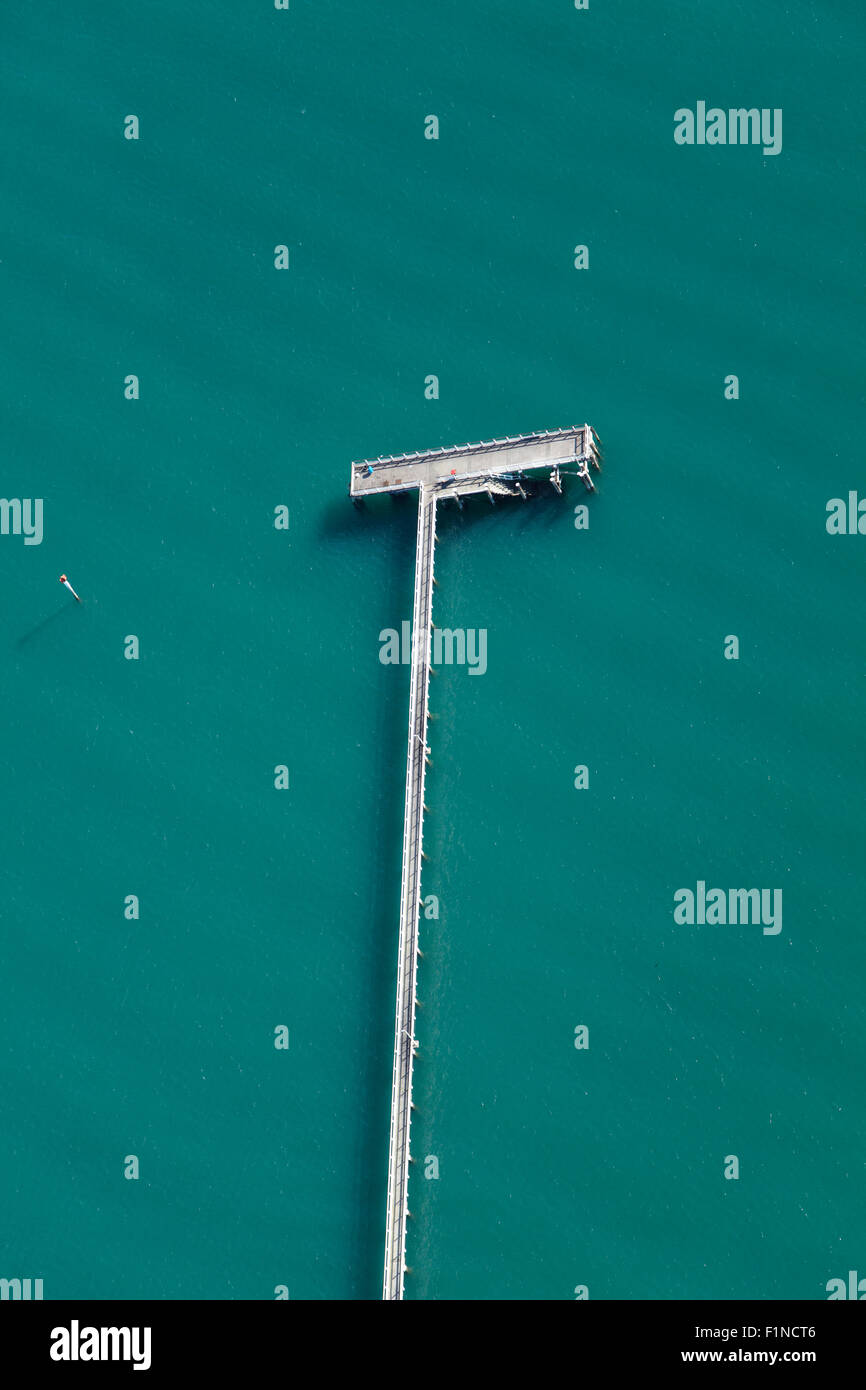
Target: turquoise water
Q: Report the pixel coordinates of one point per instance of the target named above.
(259, 647)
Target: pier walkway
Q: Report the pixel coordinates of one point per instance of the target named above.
(410, 901)
(471, 467)
(499, 466)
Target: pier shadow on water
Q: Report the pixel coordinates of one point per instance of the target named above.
(389, 523)
(344, 521)
(544, 508)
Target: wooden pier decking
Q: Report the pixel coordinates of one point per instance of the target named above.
(471, 467)
(496, 467)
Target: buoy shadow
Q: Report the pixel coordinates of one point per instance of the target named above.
(40, 627)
